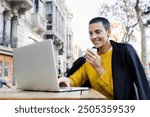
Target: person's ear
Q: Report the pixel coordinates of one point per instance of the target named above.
(109, 32)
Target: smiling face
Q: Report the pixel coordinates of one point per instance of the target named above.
(99, 35)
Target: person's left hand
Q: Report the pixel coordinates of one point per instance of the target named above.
(64, 82)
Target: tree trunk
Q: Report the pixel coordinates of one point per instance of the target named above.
(143, 37)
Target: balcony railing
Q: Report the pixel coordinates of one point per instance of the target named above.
(5, 40)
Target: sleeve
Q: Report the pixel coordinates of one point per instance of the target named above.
(137, 73)
(79, 77)
(105, 81)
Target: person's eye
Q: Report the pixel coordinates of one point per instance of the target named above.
(90, 33)
(98, 31)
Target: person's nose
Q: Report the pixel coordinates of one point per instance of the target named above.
(94, 36)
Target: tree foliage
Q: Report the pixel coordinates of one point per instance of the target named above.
(124, 12)
(132, 14)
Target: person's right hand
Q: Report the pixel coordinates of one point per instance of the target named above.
(95, 60)
(64, 82)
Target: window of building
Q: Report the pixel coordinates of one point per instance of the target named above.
(36, 5)
(49, 27)
(62, 28)
(56, 18)
(6, 66)
(49, 36)
(69, 42)
(1, 68)
(49, 12)
(1, 38)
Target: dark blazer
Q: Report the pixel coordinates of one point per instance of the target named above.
(76, 65)
(127, 70)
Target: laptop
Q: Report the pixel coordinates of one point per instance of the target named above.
(35, 68)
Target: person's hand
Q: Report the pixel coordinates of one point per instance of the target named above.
(64, 82)
(95, 60)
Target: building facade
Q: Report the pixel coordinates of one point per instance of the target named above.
(68, 40)
(22, 22)
(59, 30)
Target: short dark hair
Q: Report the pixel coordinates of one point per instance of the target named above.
(103, 20)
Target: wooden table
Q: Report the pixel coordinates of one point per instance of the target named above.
(14, 94)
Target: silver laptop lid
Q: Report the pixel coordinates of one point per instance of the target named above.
(35, 67)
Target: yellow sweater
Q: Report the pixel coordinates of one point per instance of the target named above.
(103, 84)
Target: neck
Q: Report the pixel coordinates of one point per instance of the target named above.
(105, 48)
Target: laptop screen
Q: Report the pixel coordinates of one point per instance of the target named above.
(35, 67)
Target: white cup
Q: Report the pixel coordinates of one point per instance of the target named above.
(94, 50)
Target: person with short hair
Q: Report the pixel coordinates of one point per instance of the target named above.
(115, 71)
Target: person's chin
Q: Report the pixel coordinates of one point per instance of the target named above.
(97, 45)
